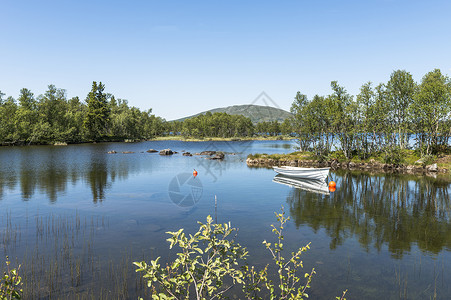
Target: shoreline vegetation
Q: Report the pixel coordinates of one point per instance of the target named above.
(399, 125)
(165, 138)
(412, 164)
(52, 118)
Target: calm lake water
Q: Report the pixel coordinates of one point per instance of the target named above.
(76, 218)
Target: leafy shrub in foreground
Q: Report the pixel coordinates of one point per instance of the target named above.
(10, 283)
(208, 266)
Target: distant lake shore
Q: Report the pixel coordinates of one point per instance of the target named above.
(160, 138)
(218, 139)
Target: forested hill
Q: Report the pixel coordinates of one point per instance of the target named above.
(256, 113)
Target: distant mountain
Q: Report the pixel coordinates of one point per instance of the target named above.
(256, 113)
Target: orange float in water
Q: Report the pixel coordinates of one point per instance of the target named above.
(194, 173)
(332, 189)
(332, 184)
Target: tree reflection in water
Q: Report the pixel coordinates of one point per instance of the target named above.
(396, 210)
(50, 170)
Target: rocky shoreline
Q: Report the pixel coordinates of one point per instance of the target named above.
(372, 165)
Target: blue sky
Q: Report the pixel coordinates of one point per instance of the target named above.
(183, 57)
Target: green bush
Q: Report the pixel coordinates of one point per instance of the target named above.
(10, 283)
(338, 155)
(256, 156)
(394, 156)
(210, 263)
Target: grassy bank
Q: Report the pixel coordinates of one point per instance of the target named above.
(406, 158)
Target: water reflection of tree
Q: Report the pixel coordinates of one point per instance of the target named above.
(397, 211)
(97, 174)
(50, 179)
(49, 170)
(98, 180)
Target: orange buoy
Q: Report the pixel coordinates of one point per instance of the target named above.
(194, 173)
(332, 184)
(332, 189)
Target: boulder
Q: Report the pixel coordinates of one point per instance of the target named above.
(127, 152)
(112, 152)
(187, 154)
(151, 151)
(378, 165)
(218, 155)
(208, 153)
(166, 152)
(432, 168)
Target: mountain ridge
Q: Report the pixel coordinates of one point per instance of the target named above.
(257, 113)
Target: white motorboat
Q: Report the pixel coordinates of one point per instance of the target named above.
(315, 186)
(307, 173)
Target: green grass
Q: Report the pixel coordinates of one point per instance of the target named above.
(289, 156)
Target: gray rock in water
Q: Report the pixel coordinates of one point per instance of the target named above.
(208, 153)
(151, 151)
(166, 152)
(218, 155)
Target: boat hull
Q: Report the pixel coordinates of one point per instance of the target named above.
(310, 185)
(306, 173)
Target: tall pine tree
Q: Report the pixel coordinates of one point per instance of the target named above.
(98, 113)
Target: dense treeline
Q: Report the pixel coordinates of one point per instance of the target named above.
(224, 125)
(213, 125)
(52, 117)
(384, 118)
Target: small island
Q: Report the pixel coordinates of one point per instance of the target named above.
(412, 163)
